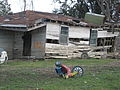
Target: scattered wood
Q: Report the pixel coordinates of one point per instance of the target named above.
(73, 51)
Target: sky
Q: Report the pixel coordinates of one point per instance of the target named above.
(38, 5)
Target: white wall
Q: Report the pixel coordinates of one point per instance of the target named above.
(53, 30)
(79, 32)
(102, 34)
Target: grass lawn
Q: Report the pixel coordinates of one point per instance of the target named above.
(40, 75)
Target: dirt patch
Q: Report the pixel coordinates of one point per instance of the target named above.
(46, 72)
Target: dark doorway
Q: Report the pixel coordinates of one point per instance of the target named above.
(27, 44)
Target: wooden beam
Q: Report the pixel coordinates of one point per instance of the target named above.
(35, 27)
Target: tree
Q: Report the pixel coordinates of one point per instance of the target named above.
(27, 5)
(78, 8)
(104, 7)
(111, 9)
(4, 8)
(72, 8)
(94, 7)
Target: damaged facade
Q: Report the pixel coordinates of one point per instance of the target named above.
(40, 35)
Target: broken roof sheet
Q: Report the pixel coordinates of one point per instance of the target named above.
(29, 18)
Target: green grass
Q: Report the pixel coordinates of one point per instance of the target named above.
(40, 75)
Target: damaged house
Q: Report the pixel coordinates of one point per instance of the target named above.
(42, 35)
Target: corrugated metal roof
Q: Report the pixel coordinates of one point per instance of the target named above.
(28, 19)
